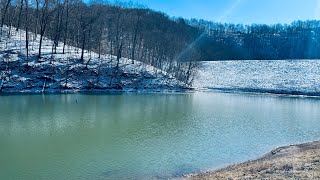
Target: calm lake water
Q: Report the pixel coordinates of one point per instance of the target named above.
(145, 136)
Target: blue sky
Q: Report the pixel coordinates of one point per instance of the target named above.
(239, 11)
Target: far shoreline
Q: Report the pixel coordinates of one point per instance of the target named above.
(246, 91)
(99, 91)
(265, 91)
(300, 161)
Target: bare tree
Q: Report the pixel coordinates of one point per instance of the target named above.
(86, 19)
(65, 34)
(3, 16)
(19, 17)
(27, 30)
(45, 17)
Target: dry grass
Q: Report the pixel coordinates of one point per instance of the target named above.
(291, 162)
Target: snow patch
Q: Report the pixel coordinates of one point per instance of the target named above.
(274, 76)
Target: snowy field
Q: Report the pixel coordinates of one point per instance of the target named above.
(298, 77)
(64, 72)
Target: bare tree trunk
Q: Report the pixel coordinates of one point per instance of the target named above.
(66, 28)
(40, 45)
(134, 43)
(37, 19)
(133, 48)
(10, 23)
(99, 50)
(4, 14)
(58, 28)
(27, 33)
(188, 73)
(78, 40)
(82, 47)
(119, 54)
(20, 13)
(1, 28)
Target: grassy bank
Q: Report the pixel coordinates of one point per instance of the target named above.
(290, 162)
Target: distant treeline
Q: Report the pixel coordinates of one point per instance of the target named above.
(298, 40)
(122, 30)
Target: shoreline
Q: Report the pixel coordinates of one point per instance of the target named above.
(99, 91)
(301, 161)
(280, 93)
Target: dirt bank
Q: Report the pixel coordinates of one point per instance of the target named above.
(291, 162)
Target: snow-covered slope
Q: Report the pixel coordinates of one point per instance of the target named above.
(288, 77)
(63, 72)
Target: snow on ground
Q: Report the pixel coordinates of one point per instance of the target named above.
(299, 77)
(64, 72)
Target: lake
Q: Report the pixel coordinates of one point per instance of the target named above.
(145, 136)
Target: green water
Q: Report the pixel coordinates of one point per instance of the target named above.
(145, 136)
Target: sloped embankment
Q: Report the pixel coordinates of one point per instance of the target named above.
(64, 72)
(290, 162)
